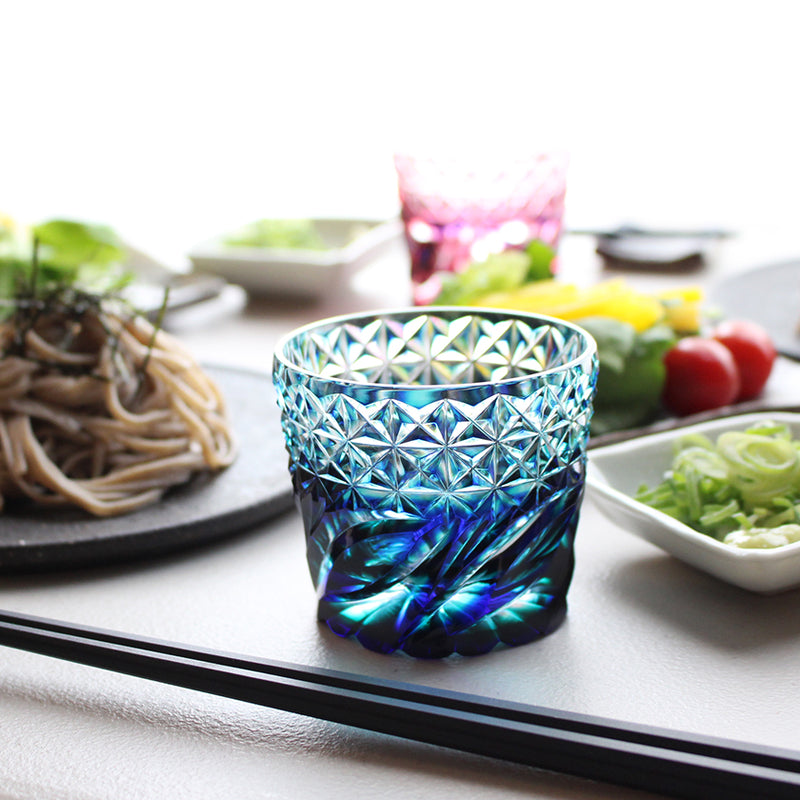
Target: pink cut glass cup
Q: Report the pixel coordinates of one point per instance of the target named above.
(460, 209)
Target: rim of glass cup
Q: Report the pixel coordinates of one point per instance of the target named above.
(412, 312)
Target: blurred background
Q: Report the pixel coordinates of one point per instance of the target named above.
(174, 121)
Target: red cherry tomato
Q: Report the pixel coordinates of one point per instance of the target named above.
(701, 375)
(752, 350)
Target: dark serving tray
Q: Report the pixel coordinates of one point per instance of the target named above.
(254, 488)
(768, 295)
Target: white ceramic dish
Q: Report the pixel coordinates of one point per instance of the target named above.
(616, 472)
(350, 243)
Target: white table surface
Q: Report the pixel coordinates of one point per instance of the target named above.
(647, 639)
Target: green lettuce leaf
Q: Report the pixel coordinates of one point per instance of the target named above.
(68, 254)
(631, 375)
(500, 272)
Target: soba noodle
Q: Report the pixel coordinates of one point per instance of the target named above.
(103, 411)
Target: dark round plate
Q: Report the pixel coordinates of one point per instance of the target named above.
(767, 295)
(253, 489)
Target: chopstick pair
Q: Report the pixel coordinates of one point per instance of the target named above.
(658, 760)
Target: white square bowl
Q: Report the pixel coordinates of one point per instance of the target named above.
(616, 472)
(350, 243)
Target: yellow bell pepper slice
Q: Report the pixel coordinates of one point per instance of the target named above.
(566, 301)
(532, 296)
(683, 308)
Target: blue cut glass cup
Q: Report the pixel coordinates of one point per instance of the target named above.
(438, 459)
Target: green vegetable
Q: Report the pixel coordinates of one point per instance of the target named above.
(735, 489)
(299, 234)
(6, 230)
(71, 245)
(68, 269)
(59, 253)
(631, 374)
(500, 272)
(540, 261)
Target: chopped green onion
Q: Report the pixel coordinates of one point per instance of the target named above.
(744, 481)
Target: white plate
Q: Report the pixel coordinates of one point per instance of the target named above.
(616, 472)
(308, 273)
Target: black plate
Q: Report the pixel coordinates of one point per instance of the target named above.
(254, 488)
(768, 295)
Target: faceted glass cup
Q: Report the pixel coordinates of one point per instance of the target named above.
(460, 209)
(438, 460)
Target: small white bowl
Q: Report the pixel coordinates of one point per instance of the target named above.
(350, 243)
(616, 471)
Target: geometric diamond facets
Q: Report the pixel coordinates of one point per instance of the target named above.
(438, 461)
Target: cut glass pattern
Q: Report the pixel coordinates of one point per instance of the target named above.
(438, 460)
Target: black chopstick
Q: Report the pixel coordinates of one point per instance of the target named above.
(667, 762)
